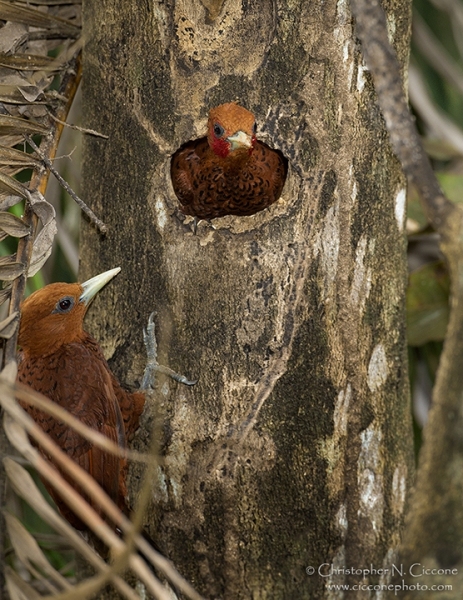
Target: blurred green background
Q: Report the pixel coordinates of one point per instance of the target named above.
(436, 96)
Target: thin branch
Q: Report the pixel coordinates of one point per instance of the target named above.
(384, 66)
(81, 129)
(85, 209)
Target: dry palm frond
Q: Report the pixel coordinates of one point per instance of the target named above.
(19, 426)
(39, 76)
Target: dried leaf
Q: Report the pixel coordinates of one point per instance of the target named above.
(25, 487)
(7, 260)
(35, 18)
(13, 186)
(9, 372)
(4, 294)
(41, 207)
(42, 248)
(16, 422)
(30, 554)
(13, 225)
(27, 62)
(13, 157)
(44, 241)
(15, 88)
(15, 419)
(13, 36)
(16, 125)
(10, 271)
(35, 111)
(30, 93)
(17, 588)
(11, 140)
(23, 484)
(11, 171)
(19, 438)
(9, 201)
(15, 432)
(8, 326)
(22, 94)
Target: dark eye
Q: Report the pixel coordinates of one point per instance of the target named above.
(218, 130)
(64, 305)
(254, 128)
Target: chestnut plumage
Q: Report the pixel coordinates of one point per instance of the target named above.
(229, 172)
(59, 359)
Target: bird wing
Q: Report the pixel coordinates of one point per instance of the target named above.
(82, 385)
(92, 400)
(271, 167)
(131, 404)
(185, 169)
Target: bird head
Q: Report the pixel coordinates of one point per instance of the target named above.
(231, 130)
(53, 316)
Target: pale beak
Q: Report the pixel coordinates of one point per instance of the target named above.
(240, 140)
(91, 287)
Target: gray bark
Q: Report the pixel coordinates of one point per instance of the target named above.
(295, 447)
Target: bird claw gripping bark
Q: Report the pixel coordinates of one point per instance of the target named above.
(152, 365)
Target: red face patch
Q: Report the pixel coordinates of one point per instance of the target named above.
(221, 147)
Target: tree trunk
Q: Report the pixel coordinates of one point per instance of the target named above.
(294, 449)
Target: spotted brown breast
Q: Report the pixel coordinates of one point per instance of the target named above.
(209, 186)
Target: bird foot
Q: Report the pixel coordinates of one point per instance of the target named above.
(152, 365)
